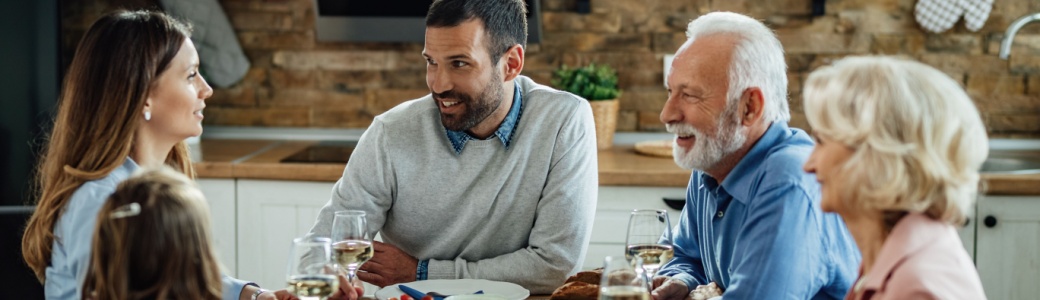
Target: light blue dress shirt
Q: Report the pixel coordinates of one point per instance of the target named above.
(761, 233)
(74, 234)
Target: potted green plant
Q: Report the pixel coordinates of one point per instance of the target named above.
(598, 85)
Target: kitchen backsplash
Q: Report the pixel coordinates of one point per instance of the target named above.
(296, 81)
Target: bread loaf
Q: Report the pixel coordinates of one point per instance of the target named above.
(581, 286)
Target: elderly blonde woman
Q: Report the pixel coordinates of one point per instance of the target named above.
(899, 146)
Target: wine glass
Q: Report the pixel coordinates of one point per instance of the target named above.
(649, 238)
(352, 244)
(624, 279)
(312, 272)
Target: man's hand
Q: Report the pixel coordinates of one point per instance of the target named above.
(348, 290)
(277, 295)
(389, 265)
(666, 288)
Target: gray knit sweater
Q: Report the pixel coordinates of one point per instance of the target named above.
(521, 214)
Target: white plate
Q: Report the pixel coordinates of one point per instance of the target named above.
(459, 286)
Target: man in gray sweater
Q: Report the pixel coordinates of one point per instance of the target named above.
(491, 176)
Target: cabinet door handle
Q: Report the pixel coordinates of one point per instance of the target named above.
(990, 221)
(675, 203)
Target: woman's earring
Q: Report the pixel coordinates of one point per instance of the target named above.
(147, 116)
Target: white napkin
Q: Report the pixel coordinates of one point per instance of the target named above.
(940, 15)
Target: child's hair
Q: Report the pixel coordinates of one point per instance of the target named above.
(152, 241)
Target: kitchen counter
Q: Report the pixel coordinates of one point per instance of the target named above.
(262, 159)
(619, 166)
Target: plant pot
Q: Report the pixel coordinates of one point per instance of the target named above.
(604, 113)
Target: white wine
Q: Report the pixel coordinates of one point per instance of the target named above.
(654, 255)
(623, 293)
(352, 253)
(313, 285)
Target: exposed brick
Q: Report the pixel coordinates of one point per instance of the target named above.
(264, 117)
(313, 98)
(292, 79)
(557, 5)
(255, 76)
(644, 100)
(379, 101)
(1033, 85)
(1006, 104)
(571, 22)
(542, 77)
(336, 60)
(1007, 11)
(799, 62)
(1025, 64)
(597, 41)
(1013, 122)
(954, 43)
(403, 79)
(801, 42)
(256, 20)
(991, 85)
(668, 42)
(621, 61)
(351, 81)
(277, 40)
(269, 6)
(902, 43)
(651, 77)
(335, 117)
(873, 19)
(794, 87)
(240, 96)
(960, 63)
(650, 121)
(542, 61)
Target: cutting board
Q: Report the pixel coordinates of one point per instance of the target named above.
(659, 148)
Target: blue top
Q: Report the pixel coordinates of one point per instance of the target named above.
(74, 235)
(761, 233)
(505, 131)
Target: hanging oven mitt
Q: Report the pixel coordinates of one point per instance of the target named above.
(976, 12)
(938, 15)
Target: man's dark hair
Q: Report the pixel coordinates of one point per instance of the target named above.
(505, 21)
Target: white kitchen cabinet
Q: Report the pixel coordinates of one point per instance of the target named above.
(611, 222)
(1007, 247)
(271, 213)
(220, 193)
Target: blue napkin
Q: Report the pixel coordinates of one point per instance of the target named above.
(417, 295)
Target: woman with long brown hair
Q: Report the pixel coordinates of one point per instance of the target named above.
(153, 241)
(131, 96)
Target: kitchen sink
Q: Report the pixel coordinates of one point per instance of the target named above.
(323, 152)
(1012, 162)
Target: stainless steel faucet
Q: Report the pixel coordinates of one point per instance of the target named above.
(1009, 35)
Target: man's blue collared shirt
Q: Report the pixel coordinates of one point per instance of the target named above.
(761, 233)
(505, 131)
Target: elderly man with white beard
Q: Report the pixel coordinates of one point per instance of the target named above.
(752, 222)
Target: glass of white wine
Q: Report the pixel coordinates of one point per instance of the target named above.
(623, 279)
(649, 238)
(352, 244)
(312, 272)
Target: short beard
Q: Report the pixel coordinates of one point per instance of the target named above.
(707, 152)
(487, 102)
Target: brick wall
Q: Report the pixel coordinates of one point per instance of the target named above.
(299, 82)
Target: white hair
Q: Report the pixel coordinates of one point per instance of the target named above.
(758, 60)
(918, 138)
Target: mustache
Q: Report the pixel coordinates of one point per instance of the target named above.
(449, 94)
(682, 129)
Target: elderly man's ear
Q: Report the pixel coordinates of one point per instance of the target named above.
(752, 106)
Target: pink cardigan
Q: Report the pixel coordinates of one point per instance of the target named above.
(921, 259)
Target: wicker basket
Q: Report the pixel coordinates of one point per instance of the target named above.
(604, 113)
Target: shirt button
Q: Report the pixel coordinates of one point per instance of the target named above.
(720, 214)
